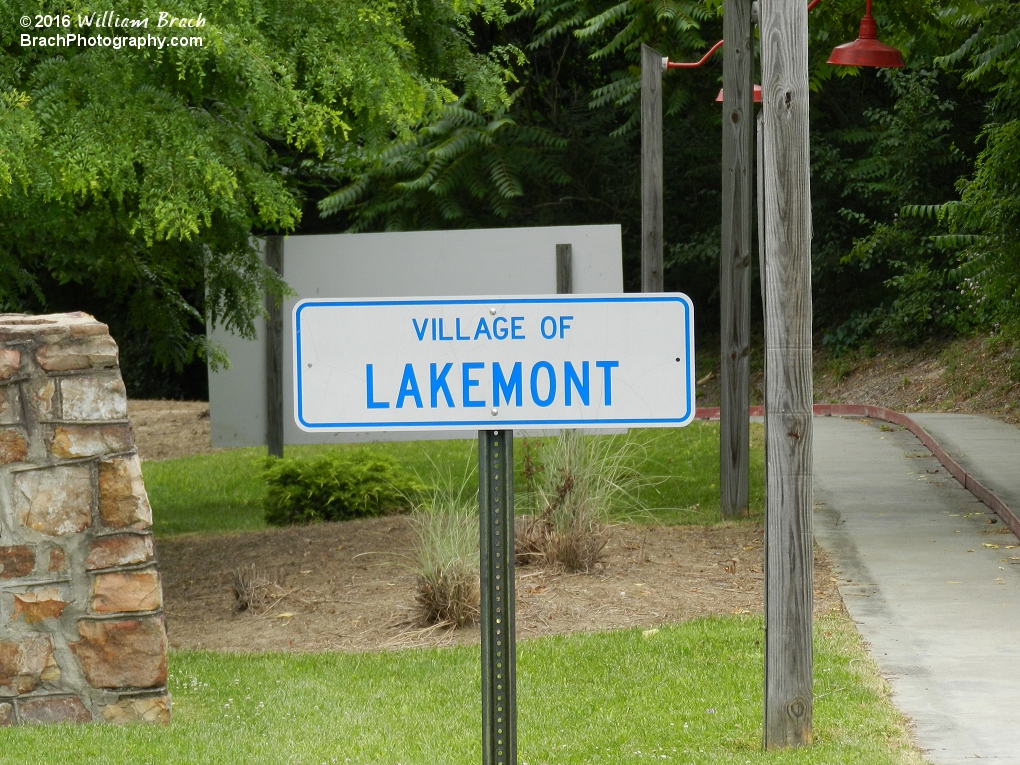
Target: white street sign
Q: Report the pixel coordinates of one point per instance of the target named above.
(494, 362)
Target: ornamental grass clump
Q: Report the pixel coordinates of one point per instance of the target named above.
(574, 488)
(336, 486)
(446, 554)
(256, 590)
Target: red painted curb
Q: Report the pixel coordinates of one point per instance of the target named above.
(969, 482)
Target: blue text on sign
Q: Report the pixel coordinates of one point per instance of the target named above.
(544, 383)
(499, 328)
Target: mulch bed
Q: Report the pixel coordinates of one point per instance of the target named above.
(349, 586)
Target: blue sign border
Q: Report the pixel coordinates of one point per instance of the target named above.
(489, 424)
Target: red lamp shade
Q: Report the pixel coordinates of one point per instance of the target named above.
(757, 95)
(866, 50)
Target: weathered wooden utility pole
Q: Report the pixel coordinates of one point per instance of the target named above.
(274, 355)
(651, 170)
(759, 132)
(735, 256)
(788, 435)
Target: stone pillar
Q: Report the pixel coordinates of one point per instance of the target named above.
(82, 635)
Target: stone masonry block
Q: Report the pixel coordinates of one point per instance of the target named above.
(10, 405)
(54, 710)
(56, 500)
(69, 441)
(89, 352)
(123, 654)
(16, 561)
(56, 560)
(13, 446)
(16, 327)
(41, 392)
(151, 709)
(119, 550)
(126, 591)
(23, 665)
(10, 361)
(82, 631)
(37, 605)
(91, 397)
(87, 326)
(122, 499)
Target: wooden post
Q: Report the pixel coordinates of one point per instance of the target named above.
(788, 395)
(760, 210)
(564, 269)
(735, 257)
(274, 355)
(651, 170)
(759, 178)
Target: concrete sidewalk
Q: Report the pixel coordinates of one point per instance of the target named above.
(933, 587)
(987, 449)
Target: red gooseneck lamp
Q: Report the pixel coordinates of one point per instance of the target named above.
(866, 50)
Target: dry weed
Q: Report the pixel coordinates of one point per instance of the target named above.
(531, 539)
(449, 600)
(256, 590)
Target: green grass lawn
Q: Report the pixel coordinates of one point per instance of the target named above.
(223, 492)
(691, 693)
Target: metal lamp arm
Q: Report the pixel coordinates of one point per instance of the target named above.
(667, 64)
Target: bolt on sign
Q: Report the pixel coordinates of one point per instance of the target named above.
(491, 363)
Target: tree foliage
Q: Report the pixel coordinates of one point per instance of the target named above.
(943, 244)
(551, 157)
(132, 179)
(986, 220)
(449, 169)
(915, 171)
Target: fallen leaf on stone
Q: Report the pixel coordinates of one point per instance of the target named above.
(994, 547)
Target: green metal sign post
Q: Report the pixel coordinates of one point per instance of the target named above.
(499, 653)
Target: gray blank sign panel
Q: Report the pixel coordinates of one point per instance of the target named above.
(516, 261)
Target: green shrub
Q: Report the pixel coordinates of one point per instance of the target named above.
(336, 486)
